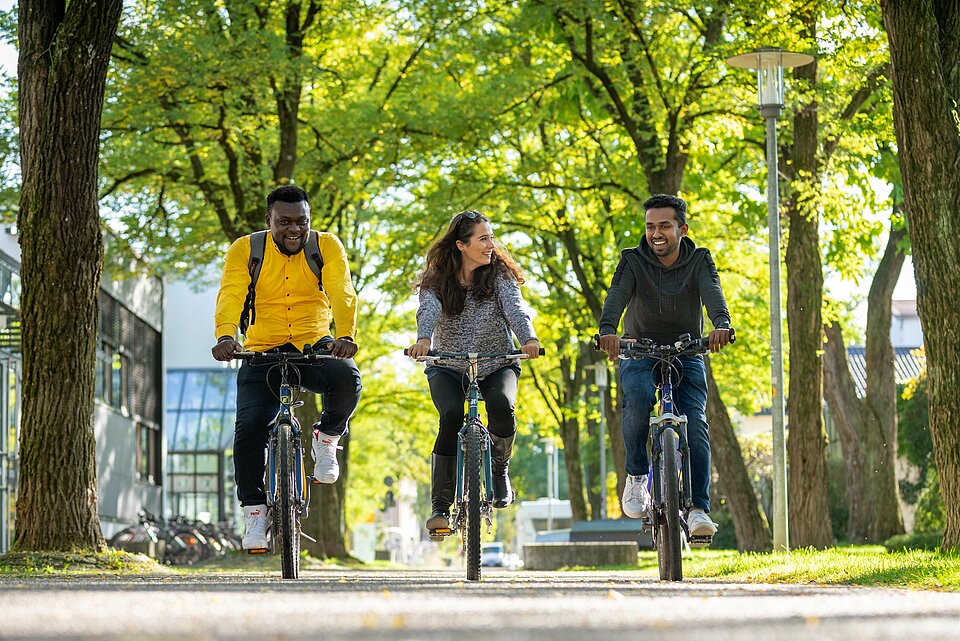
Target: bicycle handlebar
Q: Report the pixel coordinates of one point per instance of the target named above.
(517, 354)
(288, 357)
(646, 348)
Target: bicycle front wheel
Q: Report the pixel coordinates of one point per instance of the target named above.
(472, 469)
(286, 517)
(669, 530)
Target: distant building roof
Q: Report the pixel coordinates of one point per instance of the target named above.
(908, 362)
(904, 307)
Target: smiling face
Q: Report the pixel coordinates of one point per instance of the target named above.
(289, 224)
(664, 234)
(478, 250)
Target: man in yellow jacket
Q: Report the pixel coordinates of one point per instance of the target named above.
(291, 309)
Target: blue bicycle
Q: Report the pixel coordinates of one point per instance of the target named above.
(474, 487)
(671, 493)
(286, 481)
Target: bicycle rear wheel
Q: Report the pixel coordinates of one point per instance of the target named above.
(472, 458)
(669, 532)
(286, 516)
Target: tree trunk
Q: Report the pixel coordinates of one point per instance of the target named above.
(570, 435)
(809, 515)
(879, 441)
(753, 532)
(926, 91)
(868, 426)
(64, 53)
(325, 520)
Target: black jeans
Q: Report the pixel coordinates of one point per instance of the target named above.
(449, 391)
(257, 404)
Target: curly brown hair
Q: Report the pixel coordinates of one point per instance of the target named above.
(444, 261)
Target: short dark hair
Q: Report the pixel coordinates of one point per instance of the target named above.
(286, 194)
(679, 206)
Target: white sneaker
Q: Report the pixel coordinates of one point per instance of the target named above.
(325, 469)
(256, 521)
(699, 523)
(636, 496)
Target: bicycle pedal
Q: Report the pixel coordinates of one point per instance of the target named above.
(701, 541)
(313, 480)
(258, 551)
(440, 533)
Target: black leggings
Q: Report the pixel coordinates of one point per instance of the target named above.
(449, 391)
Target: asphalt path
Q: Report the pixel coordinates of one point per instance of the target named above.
(435, 605)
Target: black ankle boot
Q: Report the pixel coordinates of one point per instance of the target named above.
(500, 460)
(441, 491)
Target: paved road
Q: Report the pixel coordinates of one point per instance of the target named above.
(435, 605)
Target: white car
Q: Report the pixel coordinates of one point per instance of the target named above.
(491, 554)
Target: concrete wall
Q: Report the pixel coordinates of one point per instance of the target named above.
(121, 494)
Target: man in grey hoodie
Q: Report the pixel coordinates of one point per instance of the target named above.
(664, 283)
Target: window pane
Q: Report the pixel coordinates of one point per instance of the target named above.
(229, 425)
(210, 426)
(182, 463)
(207, 463)
(170, 427)
(193, 390)
(215, 393)
(174, 387)
(187, 426)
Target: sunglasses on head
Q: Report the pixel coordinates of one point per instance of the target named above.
(470, 213)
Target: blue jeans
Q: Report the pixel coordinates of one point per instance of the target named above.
(639, 382)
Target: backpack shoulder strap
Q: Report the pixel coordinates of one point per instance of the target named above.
(314, 259)
(258, 246)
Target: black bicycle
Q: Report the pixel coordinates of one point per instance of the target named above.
(671, 493)
(285, 480)
(474, 489)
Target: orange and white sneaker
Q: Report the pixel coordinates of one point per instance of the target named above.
(326, 469)
(256, 522)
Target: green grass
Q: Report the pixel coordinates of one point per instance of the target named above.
(80, 562)
(859, 565)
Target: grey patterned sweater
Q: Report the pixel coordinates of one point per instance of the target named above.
(483, 326)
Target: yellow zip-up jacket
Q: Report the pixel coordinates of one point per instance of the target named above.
(290, 306)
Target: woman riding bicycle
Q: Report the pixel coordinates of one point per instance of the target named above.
(470, 301)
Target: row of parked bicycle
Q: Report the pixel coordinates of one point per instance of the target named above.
(177, 541)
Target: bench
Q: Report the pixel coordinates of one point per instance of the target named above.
(553, 556)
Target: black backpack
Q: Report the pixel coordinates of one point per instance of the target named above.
(258, 245)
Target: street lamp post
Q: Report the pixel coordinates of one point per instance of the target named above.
(600, 378)
(769, 63)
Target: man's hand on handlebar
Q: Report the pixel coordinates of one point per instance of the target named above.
(225, 349)
(343, 348)
(610, 343)
(420, 348)
(719, 338)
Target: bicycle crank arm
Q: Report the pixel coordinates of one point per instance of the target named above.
(307, 536)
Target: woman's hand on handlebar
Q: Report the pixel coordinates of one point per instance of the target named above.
(225, 349)
(531, 348)
(420, 348)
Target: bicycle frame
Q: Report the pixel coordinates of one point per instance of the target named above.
(285, 415)
(473, 418)
(678, 422)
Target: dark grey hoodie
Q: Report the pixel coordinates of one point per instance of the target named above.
(664, 302)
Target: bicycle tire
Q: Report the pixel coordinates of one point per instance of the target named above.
(472, 458)
(286, 511)
(669, 560)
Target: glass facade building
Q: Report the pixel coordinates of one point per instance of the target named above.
(200, 412)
